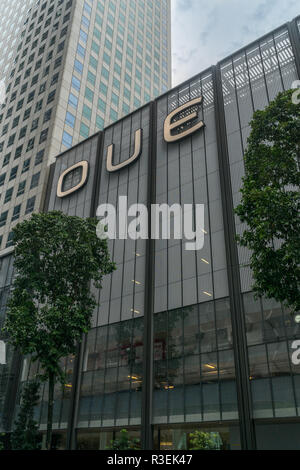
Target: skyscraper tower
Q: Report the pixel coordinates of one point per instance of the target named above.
(70, 68)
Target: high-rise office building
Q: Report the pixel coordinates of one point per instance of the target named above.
(70, 68)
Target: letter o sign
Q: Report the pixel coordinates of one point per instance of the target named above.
(84, 176)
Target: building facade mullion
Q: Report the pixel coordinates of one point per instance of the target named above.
(237, 311)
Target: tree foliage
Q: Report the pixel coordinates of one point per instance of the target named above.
(200, 440)
(56, 259)
(271, 201)
(125, 442)
(26, 433)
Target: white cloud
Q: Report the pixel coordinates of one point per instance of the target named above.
(204, 32)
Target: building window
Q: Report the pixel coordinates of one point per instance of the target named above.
(30, 205)
(67, 139)
(39, 157)
(70, 119)
(2, 179)
(26, 165)
(51, 97)
(47, 116)
(10, 240)
(35, 180)
(13, 173)
(43, 136)
(6, 159)
(18, 152)
(8, 195)
(73, 100)
(21, 188)
(75, 83)
(84, 130)
(3, 218)
(16, 212)
(30, 144)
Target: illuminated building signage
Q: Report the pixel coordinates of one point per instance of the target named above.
(178, 125)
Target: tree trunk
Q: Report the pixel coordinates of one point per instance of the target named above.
(50, 410)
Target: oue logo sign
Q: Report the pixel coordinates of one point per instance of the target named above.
(174, 131)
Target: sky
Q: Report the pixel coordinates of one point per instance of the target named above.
(206, 31)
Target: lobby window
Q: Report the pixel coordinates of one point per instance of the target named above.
(67, 139)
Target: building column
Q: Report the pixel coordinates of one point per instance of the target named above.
(147, 390)
(236, 304)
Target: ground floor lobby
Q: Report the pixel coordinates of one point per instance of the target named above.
(270, 435)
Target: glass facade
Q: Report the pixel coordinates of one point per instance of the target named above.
(178, 343)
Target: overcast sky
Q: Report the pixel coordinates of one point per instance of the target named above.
(205, 31)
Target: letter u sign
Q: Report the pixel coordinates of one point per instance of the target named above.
(137, 152)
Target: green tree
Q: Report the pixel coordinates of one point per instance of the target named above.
(200, 440)
(271, 201)
(124, 442)
(2, 446)
(26, 432)
(56, 259)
